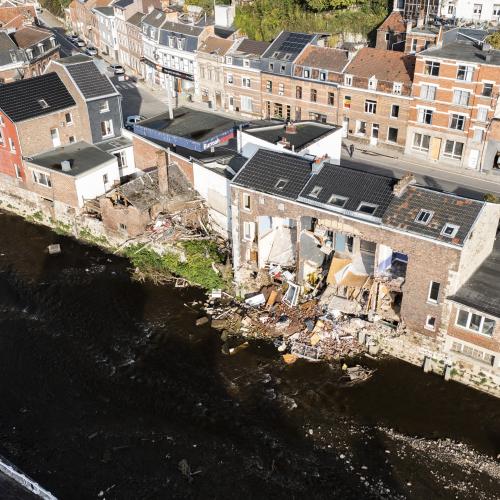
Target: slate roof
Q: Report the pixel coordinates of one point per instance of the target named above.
(355, 185)
(105, 11)
(30, 35)
(82, 156)
(8, 47)
(446, 208)
(155, 18)
(263, 171)
(385, 65)
(136, 19)
(482, 290)
(89, 80)
(288, 44)
(463, 51)
(323, 58)
(215, 45)
(252, 47)
(183, 29)
(19, 100)
(122, 4)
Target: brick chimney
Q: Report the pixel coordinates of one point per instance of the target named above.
(290, 128)
(318, 163)
(162, 165)
(403, 183)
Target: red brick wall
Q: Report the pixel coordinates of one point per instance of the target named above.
(7, 158)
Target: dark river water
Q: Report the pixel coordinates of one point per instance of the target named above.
(106, 385)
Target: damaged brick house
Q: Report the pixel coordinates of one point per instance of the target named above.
(366, 237)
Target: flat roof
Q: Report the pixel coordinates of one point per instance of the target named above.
(463, 51)
(82, 156)
(307, 132)
(190, 128)
(482, 290)
(114, 144)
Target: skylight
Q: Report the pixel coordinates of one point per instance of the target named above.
(450, 230)
(315, 191)
(338, 201)
(43, 103)
(280, 185)
(367, 208)
(424, 217)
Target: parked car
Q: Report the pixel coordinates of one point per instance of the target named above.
(91, 51)
(118, 69)
(132, 120)
(80, 43)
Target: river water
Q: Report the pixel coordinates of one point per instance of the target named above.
(107, 385)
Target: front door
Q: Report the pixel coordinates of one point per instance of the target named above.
(374, 136)
(218, 100)
(435, 148)
(345, 126)
(473, 158)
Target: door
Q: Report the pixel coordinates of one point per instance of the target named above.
(345, 126)
(374, 136)
(435, 148)
(218, 100)
(231, 103)
(473, 158)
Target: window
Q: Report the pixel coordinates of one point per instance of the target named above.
(230, 79)
(496, 10)
(360, 127)
(348, 80)
(397, 88)
(122, 226)
(430, 323)
(43, 103)
(107, 128)
(478, 8)
(245, 82)
(431, 68)
(424, 116)
(103, 107)
(105, 178)
(450, 230)
(246, 201)
(278, 110)
(478, 135)
(395, 111)
(271, 66)
(464, 73)
(246, 63)
(370, 107)
(69, 118)
(18, 171)
(331, 99)
(322, 76)
(457, 122)
(2, 142)
(307, 73)
(414, 43)
(280, 185)
(424, 217)
(367, 208)
(453, 150)
(54, 135)
(482, 114)
(475, 322)
(338, 201)
(461, 97)
(433, 295)
(428, 92)
(282, 68)
(281, 89)
(347, 102)
(72, 139)
(246, 103)
(421, 142)
(269, 86)
(315, 191)
(392, 134)
(229, 60)
(298, 92)
(314, 95)
(487, 89)
(473, 353)
(12, 146)
(42, 179)
(372, 84)
(247, 231)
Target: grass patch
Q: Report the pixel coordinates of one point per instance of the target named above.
(87, 236)
(196, 267)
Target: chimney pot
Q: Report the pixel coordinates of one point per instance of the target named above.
(290, 128)
(403, 183)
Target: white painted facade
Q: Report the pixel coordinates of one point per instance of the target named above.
(90, 185)
(471, 10)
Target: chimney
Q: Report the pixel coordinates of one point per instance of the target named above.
(318, 163)
(290, 128)
(400, 186)
(162, 165)
(284, 142)
(66, 166)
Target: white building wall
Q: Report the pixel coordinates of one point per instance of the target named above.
(92, 185)
(468, 9)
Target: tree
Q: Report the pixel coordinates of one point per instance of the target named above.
(494, 40)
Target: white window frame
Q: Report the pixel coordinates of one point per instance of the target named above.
(281, 184)
(17, 171)
(247, 231)
(370, 107)
(429, 67)
(229, 79)
(315, 191)
(281, 89)
(454, 228)
(12, 146)
(348, 80)
(392, 111)
(419, 147)
(246, 63)
(414, 44)
(397, 88)
(430, 300)
(427, 219)
(338, 197)
(229, 60)
(246, 82)
(247, 202)
(475, 137)
(482, 114)
(104, 106)
(426, 90)
(111, 131)
(467, 70)
(56, 137)
(453, 155)
(372, 83)
(457, 117)
(469, 318)
(431, 326)
(39, 176)
(458, 95)
(246, 103)
(422, 113)
(70, 122)
(369, 205)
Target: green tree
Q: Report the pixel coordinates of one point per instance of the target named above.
(494, 40)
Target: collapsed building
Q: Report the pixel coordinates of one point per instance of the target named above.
(369, 244)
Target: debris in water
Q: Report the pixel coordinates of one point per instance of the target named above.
(54, 249)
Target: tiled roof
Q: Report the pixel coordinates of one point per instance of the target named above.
(216, 45)
(91, 82)
(355, 185)
(288, 45)
(136, 19)
(252, 47)
(20, 100)
(30, 35)
(155, 18)
(394, 22)
(445, 208)
(323, 58)
(482, 290)
(385, 65)
(264, 171)
(8, 48)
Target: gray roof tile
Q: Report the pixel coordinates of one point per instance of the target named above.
(91, 82)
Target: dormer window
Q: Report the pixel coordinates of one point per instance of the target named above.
(348, 80)
(372, 83)
(367, 208)
(43, 103)
(171, 41)
(315, 191)
(322, 76)
(271, 66)
(283, 68)
(307, 73)
(246, 63)
(450, 230)
(180, 43)
(29, 53)
(338, 201)
(53, 41)
(397, 88)
(424, 217)
(229, 60)
(281, 184)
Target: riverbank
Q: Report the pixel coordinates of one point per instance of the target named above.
(112, 386)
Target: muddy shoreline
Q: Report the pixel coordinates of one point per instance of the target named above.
(108, 385)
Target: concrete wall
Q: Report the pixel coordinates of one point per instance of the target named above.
(92, 185)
